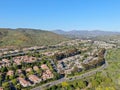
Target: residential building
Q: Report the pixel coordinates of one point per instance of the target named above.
(34, 78)
(24, 82)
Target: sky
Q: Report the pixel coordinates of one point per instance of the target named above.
(61, 14)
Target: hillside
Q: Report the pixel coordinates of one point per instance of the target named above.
(108, 37)
(28, 37)
(85, 33)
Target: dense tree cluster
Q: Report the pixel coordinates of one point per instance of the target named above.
(95, 63)
(70, 86)
(67, 53)
(101, 52)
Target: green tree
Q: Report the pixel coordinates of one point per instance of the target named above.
(64, 84)
(11, 77)
(18, 87)
(81, 84)
(14, 81)
(4, 69)
(6, 86)
(1, 80)
(95, 83)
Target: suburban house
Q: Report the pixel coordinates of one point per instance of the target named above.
(1, 88)
(10, 73)
(28, 70)
(47, 75)
(24, 82)
(34, 78)
(35, 68)
(44, 66)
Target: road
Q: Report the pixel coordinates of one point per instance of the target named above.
(72, 78)
(23, 53)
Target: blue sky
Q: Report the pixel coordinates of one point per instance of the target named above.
(61, 14)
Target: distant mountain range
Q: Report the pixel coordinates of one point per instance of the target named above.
(85, 33)
(28, 37)
(23, 37)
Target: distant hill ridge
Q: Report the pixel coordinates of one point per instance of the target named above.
(28, 37)
(85, 33)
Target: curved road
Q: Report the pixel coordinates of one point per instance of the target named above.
(71, 78)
